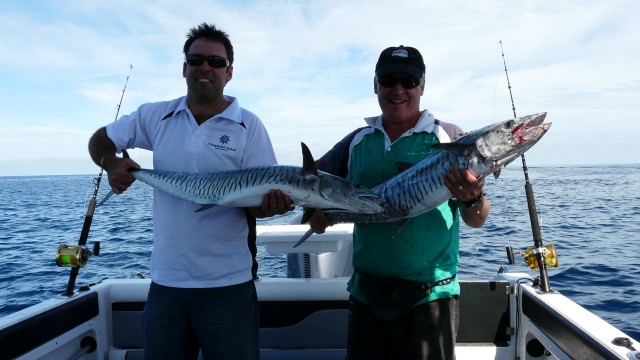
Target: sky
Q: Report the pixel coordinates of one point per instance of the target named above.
(306, 69)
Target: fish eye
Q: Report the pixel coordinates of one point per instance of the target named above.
(509, 124)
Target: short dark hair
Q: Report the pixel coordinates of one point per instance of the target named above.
(210, 32)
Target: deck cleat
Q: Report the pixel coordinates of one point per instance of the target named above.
(548, 251)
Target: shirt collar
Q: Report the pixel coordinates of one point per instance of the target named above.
(232, 112)
(426, 123)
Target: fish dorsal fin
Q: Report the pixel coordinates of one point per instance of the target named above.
(308, 164)
(457, 148)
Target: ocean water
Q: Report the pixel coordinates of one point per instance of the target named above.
(591, 215)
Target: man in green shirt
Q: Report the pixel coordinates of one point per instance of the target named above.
(404, 290)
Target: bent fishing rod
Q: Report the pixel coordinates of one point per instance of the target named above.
(77, 256)
(539, 248)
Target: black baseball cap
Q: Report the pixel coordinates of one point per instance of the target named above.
(400, 59)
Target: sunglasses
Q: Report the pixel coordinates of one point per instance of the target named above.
(213, 60)
(407, 82)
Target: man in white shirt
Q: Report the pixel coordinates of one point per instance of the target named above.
(202, 295)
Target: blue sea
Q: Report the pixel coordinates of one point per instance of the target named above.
(590, 213)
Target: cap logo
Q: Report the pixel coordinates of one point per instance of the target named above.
(400, 53)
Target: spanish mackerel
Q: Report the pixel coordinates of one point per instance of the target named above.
(421, 187)
(306, 186)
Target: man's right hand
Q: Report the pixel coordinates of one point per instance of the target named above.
(118, 172)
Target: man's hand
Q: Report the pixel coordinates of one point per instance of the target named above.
(118, 171)
(275, 202)
(465, 187)
(463, 184)
(319, 222)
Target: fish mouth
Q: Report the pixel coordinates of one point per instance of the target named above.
(532, 127)
(531, 123)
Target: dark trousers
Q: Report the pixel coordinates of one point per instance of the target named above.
(425, 332)
(222, 322)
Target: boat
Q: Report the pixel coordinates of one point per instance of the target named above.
(304, 316)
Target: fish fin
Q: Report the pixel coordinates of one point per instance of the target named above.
(304, 237)
(496, 173)
(457, 148)
(400, 226)
(307, 213)
(205, 207)
(308, 164)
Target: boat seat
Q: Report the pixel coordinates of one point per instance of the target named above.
(292, 328)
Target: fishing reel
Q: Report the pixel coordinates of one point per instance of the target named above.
(530, 256)
(75, 255)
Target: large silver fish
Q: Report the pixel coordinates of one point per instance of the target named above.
(421, 187)
(306, 186)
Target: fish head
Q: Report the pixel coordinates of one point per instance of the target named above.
(503, 142)
(348, 196)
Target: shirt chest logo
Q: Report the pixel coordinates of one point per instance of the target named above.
(223, 144)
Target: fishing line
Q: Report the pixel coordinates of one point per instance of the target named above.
(533, 217)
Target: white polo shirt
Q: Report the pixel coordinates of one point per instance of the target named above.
(196, 249)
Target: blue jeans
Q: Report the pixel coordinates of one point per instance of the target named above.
(222, 322)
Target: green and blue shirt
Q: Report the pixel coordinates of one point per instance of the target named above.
(426, 248)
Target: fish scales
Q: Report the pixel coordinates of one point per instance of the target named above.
(306, 187)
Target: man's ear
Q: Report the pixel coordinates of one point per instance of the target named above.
(229, 73)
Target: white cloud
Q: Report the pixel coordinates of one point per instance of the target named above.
(306, 69)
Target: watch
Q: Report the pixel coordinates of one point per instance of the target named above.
(473, 202)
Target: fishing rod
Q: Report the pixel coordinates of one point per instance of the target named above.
(539, 248)
(125, 154)
(78, 255)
